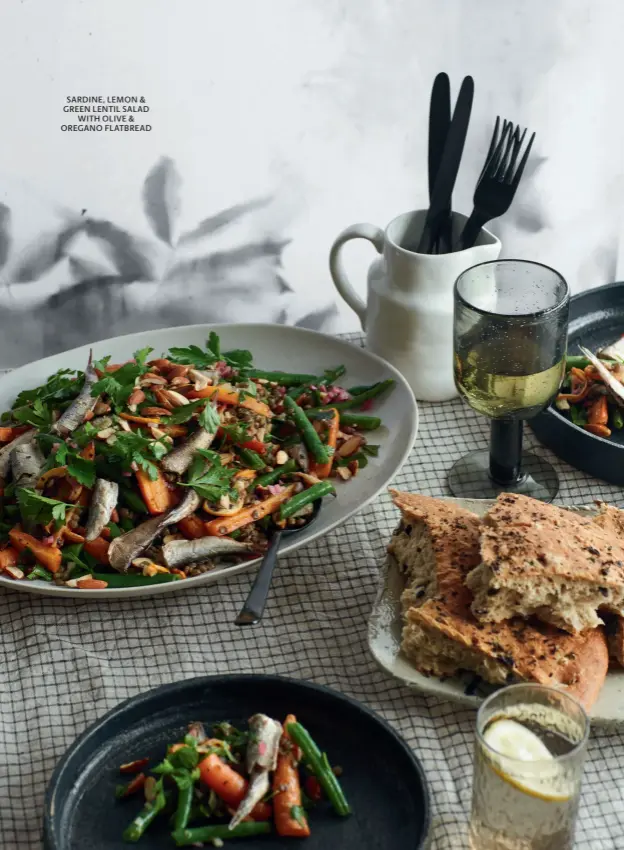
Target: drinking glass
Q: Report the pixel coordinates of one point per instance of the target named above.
(522, 804)
(510, 336)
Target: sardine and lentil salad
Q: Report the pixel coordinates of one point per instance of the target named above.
(156, 470)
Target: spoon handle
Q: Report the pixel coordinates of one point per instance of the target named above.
(253, 609)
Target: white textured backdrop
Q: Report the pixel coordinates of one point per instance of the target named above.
(275, 125)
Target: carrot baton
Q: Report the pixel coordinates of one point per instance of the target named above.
(228, 395)
(156, 494)
(288, 813)
(229, 785)
(226, 525)
(48, 556)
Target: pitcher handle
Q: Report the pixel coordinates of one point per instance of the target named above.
(341, 281)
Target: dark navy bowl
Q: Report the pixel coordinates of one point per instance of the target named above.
(382, 779)
(596, 319)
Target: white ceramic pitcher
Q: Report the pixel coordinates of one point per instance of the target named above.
(408, 316)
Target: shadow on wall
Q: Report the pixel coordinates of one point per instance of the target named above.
(91, 280)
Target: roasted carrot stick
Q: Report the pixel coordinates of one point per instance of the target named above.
(140, 420)
(288, 813)
(229, 785)
(226, 525)
(48, 556)
(598, 412)
(98, 549)
(323, 470)
(8, 434)
(598, 430)
(8, 558)
(192, 527)
(156, 495)
(226, 395)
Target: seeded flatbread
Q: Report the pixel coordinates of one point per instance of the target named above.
(441, 636)
(540, 560)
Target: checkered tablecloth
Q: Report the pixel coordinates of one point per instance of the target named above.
(66, 662)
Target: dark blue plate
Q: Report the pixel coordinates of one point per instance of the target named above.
(596, 319)
(383, 780)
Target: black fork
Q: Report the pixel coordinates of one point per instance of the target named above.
(499, 179)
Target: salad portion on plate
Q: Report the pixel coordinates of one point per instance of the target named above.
(159, 468)
(233, 783)
(592, 393)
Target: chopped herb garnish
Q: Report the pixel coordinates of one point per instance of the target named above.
(133, 447)
(210, 481)
(39, 572)
(39, 509)
(209, 418)
(185, 412)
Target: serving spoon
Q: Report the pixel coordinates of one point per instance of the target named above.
(253, 609)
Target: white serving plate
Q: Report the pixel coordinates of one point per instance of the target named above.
(384, 640)
(273, 347)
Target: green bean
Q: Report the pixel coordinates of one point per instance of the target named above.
(581, 362)
(361, 421)
(135, 580)
(276, 474)
(251, 459)
(183, 810)
(618, 419)
(320, 766)
(145, 817)
(316, 491)
(286, 379)
(332, 375)
(360, 398)
(362, 388)
(132, 500)
(306, 429)
(203, 834)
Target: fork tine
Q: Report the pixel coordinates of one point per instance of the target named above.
(512, 162)
(511, 141)
(491, 166)
(523, 162)
(493, 144)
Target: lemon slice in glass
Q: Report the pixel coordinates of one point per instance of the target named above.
(517, 752)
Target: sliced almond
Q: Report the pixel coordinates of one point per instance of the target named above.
(124, 425)
(101, 408)
(105, 433)
(14, 572)
(180, 382)
(174, 398)
(150, 379)
(343, 472)
(177, 371)
(350, 446)
(281, 457)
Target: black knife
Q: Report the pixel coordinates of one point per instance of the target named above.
(449, 165)
(439, 124)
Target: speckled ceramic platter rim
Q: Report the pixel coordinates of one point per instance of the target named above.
(273, 347)
(384, 639)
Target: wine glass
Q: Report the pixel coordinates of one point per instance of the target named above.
(510, 336)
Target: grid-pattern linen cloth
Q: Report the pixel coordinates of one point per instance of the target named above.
(66, 662)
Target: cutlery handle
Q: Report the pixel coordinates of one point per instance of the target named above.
(253, 609)
(470, 233)
(341, 281)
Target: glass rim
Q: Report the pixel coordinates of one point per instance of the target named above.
(576, 749)
(536, 314)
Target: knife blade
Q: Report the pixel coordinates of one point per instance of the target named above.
(439, 124)
(449, 165)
